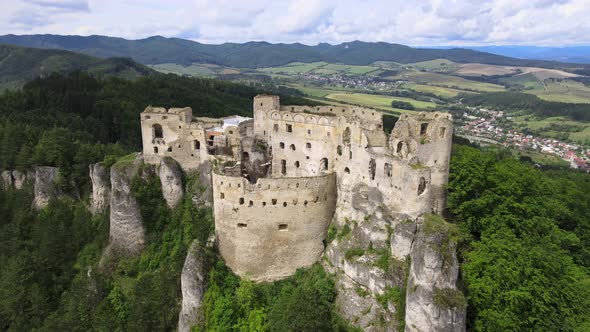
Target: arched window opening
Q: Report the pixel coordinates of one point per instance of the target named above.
(241, 200)
(250, 204)
(346, 136)
(324, 164)
(421, 186)
(423, 129)
(292, 146)
(308, 145)
(158, 132)
(346, 170)
(276, 127)
(155, 149)
(274, 201)
(442, 132)
(245, 156)
(282, 145)
(169, 149)
(372, 168)
(197, 144)
(289, 128)
(387, 169)
(339, 150)
(210, 141)
(297, 164)
(283, 167)
(284, 204)
(400, 146)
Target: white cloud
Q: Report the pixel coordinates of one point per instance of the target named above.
(428, 22)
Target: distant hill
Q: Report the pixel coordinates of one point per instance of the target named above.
(19, 65)
(575, 54)
(158, 50)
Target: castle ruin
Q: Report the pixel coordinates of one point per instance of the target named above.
(281, 178)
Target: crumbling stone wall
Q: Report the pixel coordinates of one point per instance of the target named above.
(268, 229)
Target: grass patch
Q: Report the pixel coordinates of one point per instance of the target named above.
(344, 232)
(352, 253)
(448, 298)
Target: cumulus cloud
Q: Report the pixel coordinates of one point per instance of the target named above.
(424, 23)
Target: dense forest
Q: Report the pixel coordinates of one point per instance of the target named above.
(524, 249)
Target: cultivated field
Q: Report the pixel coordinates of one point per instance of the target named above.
(437, 90)
(377, 101)
(447, 81)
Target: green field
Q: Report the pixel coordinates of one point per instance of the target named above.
(447, 81)
(377, 101)
(437, 90)
(320, 68)
(556, 127)
(192, 70)
(566, 91)
(436, 65)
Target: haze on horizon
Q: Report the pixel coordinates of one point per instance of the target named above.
(424, 23)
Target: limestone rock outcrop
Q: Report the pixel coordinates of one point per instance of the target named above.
(101, 188)
(45, 186)
(193, 285)
(364, 272)
(433, 302)
(127, 233)
(171, 179)
(19, 179)
(7, 180)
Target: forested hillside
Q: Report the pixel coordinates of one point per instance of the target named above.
(524, 250)
(19, 65)
(157, 49)
(515, 101)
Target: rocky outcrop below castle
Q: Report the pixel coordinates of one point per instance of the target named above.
(127, 233)
(433, 302)
(171, 179)
(45, 186)
(193, 285)
(101, 188)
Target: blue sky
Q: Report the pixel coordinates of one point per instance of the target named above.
(424, 23)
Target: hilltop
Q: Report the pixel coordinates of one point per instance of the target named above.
(19, 65)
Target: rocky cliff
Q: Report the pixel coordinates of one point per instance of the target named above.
(433, 302)
(101, 188)
(127, 233)
(45, 187)
(193, 285)
(171, 179)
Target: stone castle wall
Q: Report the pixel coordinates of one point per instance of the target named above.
(268, 229)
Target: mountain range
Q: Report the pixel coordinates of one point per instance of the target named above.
(157, 50)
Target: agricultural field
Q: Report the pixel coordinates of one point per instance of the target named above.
(556, 127)
(437, 90)
(566, 91)
(377, 101)
(321, 68)
(447, 81)
(192, 70)
(196, 69)
(294, 68)
(436, 65)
